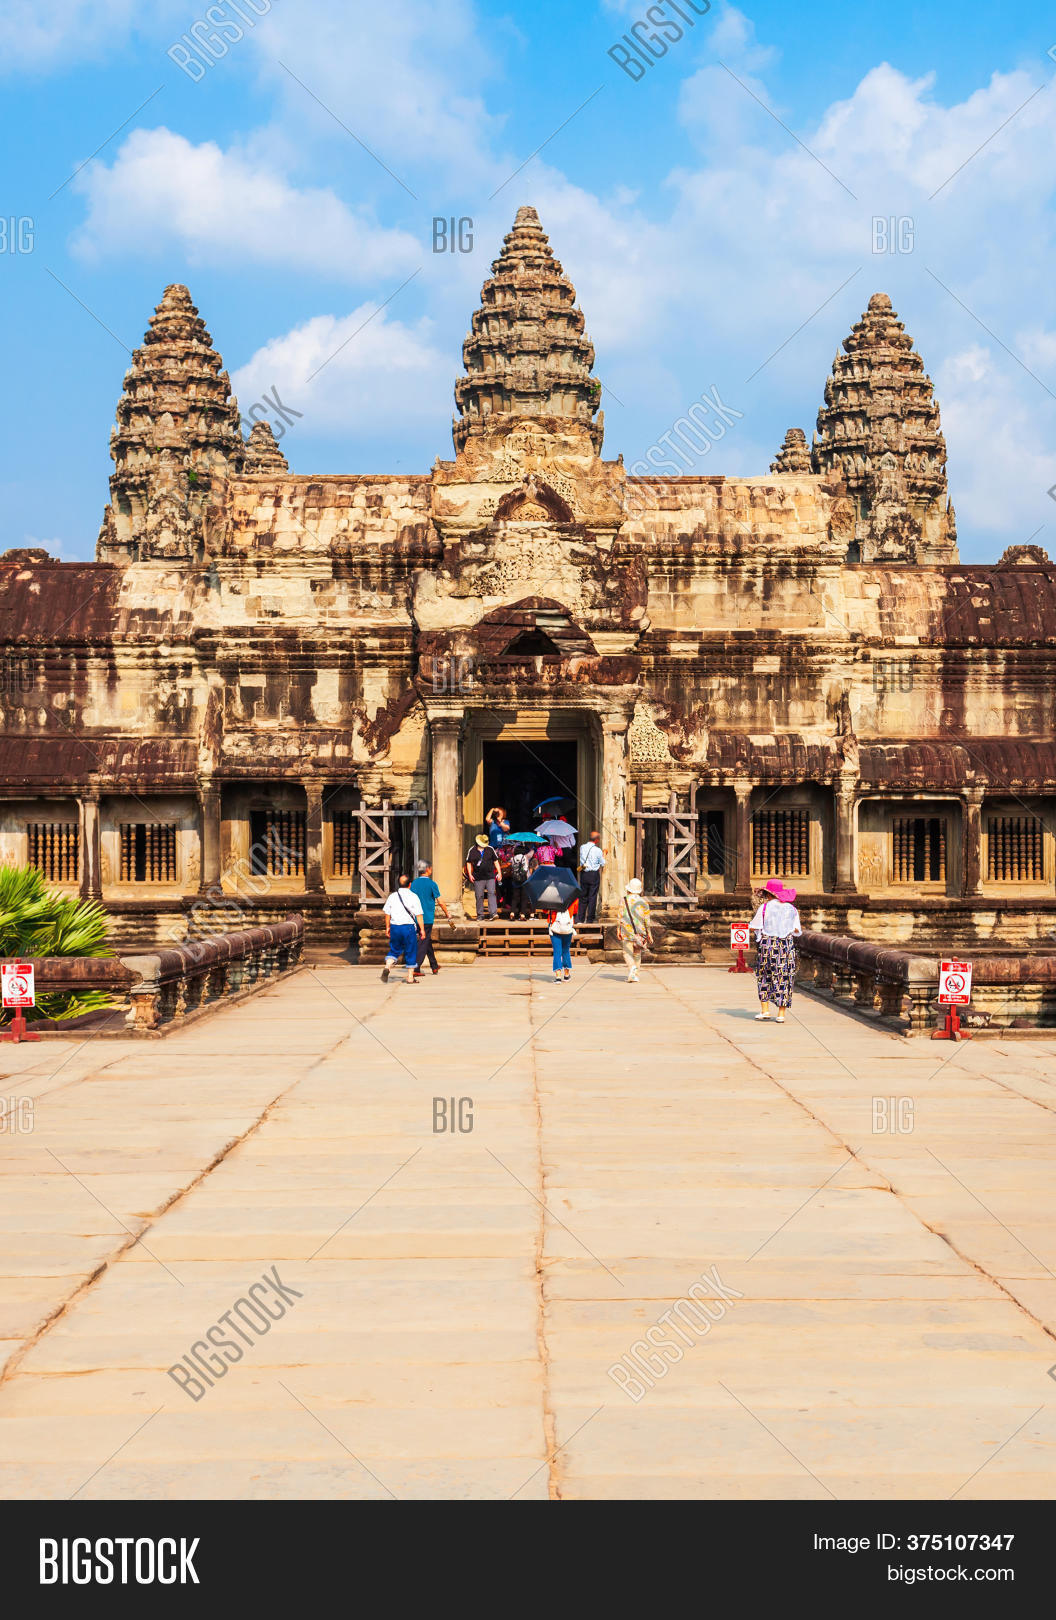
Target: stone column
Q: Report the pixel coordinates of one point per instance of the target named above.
(445, 811)
(91, 855)
(845, 800)
(972, 841)
(615, 820)
(209, 838)
(742, 821)
(313, 863)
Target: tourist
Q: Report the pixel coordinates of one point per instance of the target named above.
(520, 897)
(776, 923)
(482, 870)
(546, 854)
(498, 826)
(562, 931)
(404, 911)
(428, 892)
(633, 928)
(591, 861)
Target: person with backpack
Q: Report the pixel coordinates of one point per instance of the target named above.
(482, 870)
(520, 871)
(404, 911)
(562, 932)
(632, 928)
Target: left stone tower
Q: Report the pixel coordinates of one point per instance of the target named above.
(176, 441)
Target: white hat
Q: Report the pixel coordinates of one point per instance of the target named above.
(634, 886)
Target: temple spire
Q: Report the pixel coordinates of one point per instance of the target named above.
(262, 452)
(528, 355)
(177, 434)
(794, 454)
(879, 434)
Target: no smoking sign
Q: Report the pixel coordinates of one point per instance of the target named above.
(955, 984)
(17, 981)
(739, 936)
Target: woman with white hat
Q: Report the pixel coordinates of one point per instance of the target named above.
(632, 927)
(776, 923)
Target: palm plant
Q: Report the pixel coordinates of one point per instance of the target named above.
(37, 921)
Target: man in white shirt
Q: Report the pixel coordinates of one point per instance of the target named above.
(591, 861)
(406, 925)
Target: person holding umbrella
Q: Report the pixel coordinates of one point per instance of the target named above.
(632, 928)
(562, 932)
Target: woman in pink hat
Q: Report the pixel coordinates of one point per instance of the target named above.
(776, 923)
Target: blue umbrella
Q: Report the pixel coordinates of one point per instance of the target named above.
(524, 838)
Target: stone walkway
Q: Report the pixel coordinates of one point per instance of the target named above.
(872, 1311)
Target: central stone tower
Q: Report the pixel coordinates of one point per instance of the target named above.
(528, 355)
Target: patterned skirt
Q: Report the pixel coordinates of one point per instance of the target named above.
(775, 969)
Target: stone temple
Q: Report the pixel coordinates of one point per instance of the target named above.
(274, 689)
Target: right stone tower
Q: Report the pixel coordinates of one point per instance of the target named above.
(880, 435)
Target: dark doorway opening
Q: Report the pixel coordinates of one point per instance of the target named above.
(518, 774)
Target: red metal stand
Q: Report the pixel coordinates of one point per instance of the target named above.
(18, 1030)
(740, 966)
(951, 1030)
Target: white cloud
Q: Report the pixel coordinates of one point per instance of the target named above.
(405, 78)
(360, 374)
(1002, 445)
(163, 194)
(39, 36)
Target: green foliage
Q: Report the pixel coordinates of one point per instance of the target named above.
(37, 921)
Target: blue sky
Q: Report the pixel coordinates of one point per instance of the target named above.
(716, 216)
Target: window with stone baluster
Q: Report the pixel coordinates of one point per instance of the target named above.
(148, 852)
(1015, 849)
(918, 849)
(53, 847)
(781, 842)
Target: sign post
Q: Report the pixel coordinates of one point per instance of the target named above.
(16, 979)
(740, 939)
(955, 990)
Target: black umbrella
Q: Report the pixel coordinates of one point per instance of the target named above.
(553, 888)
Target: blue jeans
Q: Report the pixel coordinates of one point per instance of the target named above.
(562, 951)
(403, 943)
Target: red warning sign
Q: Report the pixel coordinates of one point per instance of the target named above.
(955, 984)
(739, 936)
(17, 981)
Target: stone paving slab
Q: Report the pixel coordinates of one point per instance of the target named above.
(883, 1304)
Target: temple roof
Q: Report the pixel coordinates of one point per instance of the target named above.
(528, 354)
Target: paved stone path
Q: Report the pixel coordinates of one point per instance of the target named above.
(882, 1304)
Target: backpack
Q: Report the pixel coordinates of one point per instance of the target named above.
(519, 866)
(477, 859)
(562, 924)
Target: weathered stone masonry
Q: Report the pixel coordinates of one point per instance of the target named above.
(273, 686)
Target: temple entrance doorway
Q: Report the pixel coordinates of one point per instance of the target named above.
(518, 774)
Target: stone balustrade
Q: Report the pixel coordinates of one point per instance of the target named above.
(900, 989)
(172, 983)
(896, 987)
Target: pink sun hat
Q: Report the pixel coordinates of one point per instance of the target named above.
(776, 888)
(788, 896)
